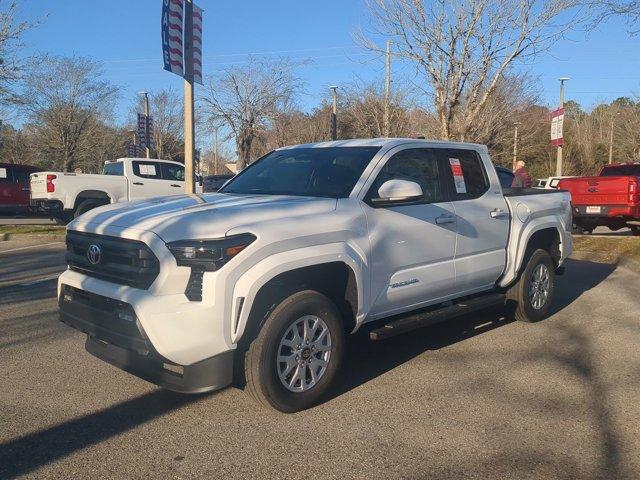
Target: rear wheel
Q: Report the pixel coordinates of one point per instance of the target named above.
(635, 230)
(294, 360)
(531, 296)
(85, 206)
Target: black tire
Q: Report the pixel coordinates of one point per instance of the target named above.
(85, 206)
(635, 230)
(260, 362)
(519, 298)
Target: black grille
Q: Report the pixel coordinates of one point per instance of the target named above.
(122, 261)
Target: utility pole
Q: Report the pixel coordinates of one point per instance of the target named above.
(145, 96)
(189, 129)
(334, 114)
(613, 119)
(387, 93)
(515, 144)
(559, 152)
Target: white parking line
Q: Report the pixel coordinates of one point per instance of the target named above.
(31, 246)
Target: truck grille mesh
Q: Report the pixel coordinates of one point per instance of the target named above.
(122, 261)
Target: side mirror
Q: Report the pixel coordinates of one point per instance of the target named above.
(397, 191)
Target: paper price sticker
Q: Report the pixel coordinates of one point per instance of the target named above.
(458, 177)
(3, 173)
(147, 169)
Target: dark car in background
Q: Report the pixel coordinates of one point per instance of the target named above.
(14, 188)
(213, 183)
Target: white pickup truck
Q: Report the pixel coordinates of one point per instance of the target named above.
(261, 282)
(69, 195)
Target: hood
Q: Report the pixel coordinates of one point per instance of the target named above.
(199, 216)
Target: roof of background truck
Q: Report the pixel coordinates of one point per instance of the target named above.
(387, 142)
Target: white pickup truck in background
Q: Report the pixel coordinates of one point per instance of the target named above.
(263, 281)
(67, 195)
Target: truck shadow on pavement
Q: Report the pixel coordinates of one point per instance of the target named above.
(27, 453)
(376, 358)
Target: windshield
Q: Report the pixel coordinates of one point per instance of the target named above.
(622, 171)
(314, 172)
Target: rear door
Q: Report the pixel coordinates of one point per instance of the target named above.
(146, 180)
(173, 176)
(482, 221)
(21, 181)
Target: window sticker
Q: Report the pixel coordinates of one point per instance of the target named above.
(3, 173)
(147, 170)
(458, 177)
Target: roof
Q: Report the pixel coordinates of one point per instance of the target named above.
(387, 142)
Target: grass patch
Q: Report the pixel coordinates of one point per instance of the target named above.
(32, 229)
(610, 248)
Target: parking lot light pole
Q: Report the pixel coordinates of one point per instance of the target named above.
(559, 152)
(334, 113)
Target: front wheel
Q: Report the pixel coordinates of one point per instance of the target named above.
(531, 296)
(635, 230)
(295, 358)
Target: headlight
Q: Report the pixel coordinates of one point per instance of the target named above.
(209, 255)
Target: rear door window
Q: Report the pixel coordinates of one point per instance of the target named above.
(114, 168)
(172, 172)
(150, 170)
(21, 175)
(465, 174)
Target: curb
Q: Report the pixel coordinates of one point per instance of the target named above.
(17, 236)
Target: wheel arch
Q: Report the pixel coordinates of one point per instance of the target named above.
(338, 276)
(91, 195)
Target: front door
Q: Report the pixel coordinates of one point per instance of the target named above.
(412, 245)
(146, 180)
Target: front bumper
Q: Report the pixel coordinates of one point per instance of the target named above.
(115, 335)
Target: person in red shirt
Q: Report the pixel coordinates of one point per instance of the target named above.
(521, 178)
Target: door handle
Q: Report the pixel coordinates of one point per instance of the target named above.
(25, 189)
(175, 185)
(442, 219)
(138, 183)
(498, 213)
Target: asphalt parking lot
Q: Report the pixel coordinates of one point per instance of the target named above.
(475, 398)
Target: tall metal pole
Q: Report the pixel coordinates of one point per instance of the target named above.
(515, 145)
(334, 114)
(189, 128)
(387, 93)
(145, 96)
(559, 152)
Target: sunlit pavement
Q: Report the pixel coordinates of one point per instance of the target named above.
(476, 398)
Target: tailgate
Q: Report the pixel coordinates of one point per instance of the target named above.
(38, 184)
(598, 190)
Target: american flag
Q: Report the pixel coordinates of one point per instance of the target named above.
(172, 45)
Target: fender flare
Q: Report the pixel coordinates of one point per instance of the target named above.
(246, 288)
(516, 254)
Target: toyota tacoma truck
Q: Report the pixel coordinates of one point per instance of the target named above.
(66, 195)
(260, 283)
(612, 199)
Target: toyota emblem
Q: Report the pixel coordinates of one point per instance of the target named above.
(94, 254)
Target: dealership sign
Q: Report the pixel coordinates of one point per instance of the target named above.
(557, 119)
(175, 38)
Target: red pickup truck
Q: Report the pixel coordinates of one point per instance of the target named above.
(612, 199)
(14, 188)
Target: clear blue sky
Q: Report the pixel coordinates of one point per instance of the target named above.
(125, 35)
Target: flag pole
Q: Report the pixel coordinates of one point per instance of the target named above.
(189, 128)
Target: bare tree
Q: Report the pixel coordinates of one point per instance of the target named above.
(10, 33)
(247, 98)
(66, 103)
(464, 48)
(629, 10)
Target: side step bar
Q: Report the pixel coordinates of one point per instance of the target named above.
(424, 319)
